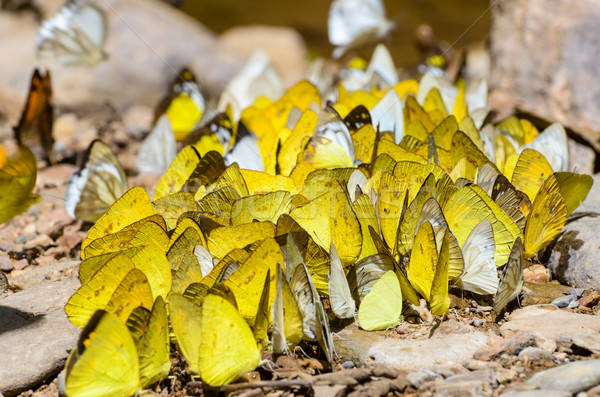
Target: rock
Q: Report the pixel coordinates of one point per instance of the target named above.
(347, 364)
(452, 344)
(577, 292)
(534, 354)
(284, 45)
(40, 275)
(589, 342)
(21, 264)
(548, 323)
(537, 274)
(589, 300)
(35, 335)
(147, 43)
(573, 259)
(417, 378)
(536, 393)
(6, 264)
(511, 345)
(572, 377)
(581, 157)
(556, 43)
(563, 301)
(537, 294)
(477, 383)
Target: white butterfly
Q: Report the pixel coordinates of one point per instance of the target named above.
(75, 36)
(353, 23)
(257, 78)
(381, 72)
(340, 297)
(96, 185)
(159, 148)
(553, 144)
(479, 274)
(387, 115)
(245, 151)
(315, 323)
(511, 281)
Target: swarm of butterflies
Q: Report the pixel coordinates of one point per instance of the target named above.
(349, 197)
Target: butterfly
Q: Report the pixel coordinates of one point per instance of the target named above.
(18, 174)
(511, 281)
(98, 183)
(183, 104)
(158, 149)
(340, 297)
(245, 150)
(257, 78)
(35, 126)
(224, 348)
(352, 23)
(75, 36)
(331, 145)
(382, 306)
(105, 360)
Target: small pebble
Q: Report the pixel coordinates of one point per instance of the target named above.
(22, 264)
(22, 239)
(6, 264)
(417, 378)
(576, 291)
(531, 354)
(563, 301)
(560, 356)
(483, 309)
(573, 304)
(478, 322)
(348, 364)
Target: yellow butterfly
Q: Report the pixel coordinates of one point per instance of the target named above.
(105, 361)
(331, 145)
(183, 105)
(382, 306)
(18, 174)
(150, 332)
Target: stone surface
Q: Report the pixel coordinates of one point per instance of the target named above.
(147, 43)
(40, 275)
(533, 354)
(511, 344)
(548, 323)
(35, 335)
(557, 48)
(476, 383)
(536, 393)
(285, 47)
(589, 342)
(574, 257)
(453, 343)
(573, 377)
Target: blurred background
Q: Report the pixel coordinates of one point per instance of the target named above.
(460, 21)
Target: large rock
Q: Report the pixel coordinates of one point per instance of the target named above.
(545, 55)
(452, 344)
(147, 43)
(35, 335)
(572, 377)
(574, 257)
(549, 324)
